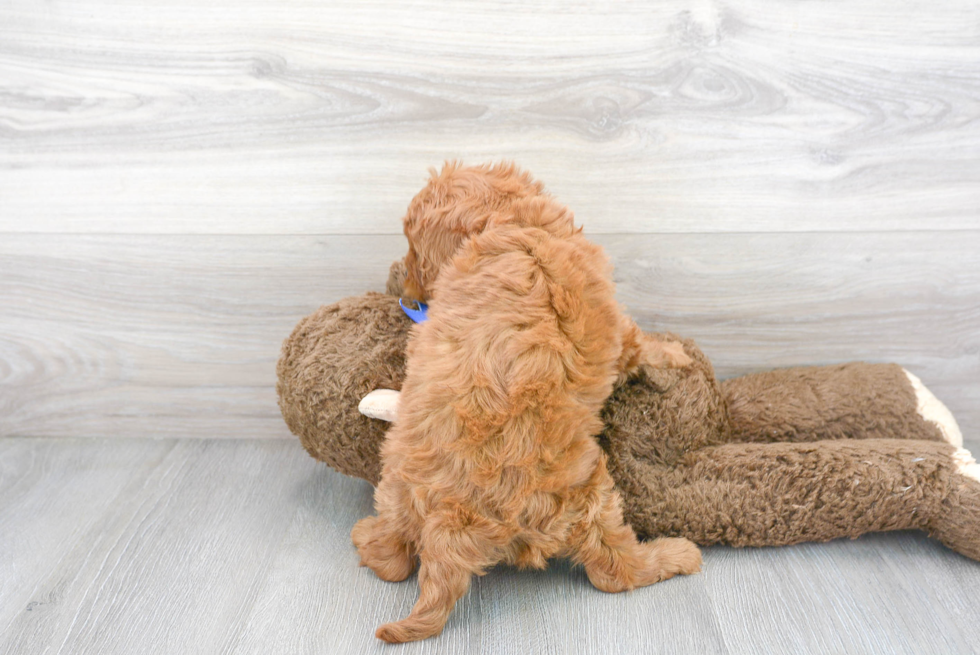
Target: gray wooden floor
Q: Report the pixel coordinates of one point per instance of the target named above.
(789, 183)
(242, 546)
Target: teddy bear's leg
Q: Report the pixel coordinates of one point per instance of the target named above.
(785, 493)
(608, 548)
(958, 525)
(932, 410)
(848, 401)
(384, 542)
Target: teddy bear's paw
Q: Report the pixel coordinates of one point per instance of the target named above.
(958, 523)
(966, 465)
(380, 404)
(934, 411)
(660, 380)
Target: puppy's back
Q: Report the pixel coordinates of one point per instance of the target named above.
(507, 375)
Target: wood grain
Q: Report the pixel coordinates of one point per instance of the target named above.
(171, 564)
(311, 118)
(180, 182)
(170, 336)
(177, 546)
(52, 499)
(162, 336)
(844, 596)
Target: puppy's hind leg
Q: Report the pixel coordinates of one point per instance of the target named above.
(608, 548)
(454, 548)
(384, 542)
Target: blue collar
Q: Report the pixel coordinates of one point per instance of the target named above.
(418, 315)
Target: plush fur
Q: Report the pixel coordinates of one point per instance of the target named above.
(769, 459)
(493, 456)
(775, 458)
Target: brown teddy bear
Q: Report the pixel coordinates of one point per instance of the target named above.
(803, 454)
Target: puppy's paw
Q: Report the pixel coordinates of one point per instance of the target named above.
(679, 556)
(667, 557)
(361, 532)
(675, 355)
(385, 554)
(664, 354)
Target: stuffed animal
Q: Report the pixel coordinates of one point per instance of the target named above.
(802, 454)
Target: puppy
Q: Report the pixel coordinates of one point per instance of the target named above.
(493, 456)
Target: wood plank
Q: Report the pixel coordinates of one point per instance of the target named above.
(162, 336)
(53, 498)
(507, 611)
(178, 336)
(177, 546)
(882, 593)
(305, 118)
(172, 564)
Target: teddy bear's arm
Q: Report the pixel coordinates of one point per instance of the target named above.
(847, 401)
(380, 404)
(785, 493)
(396, 278)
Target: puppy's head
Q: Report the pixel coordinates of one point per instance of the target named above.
(457, 203)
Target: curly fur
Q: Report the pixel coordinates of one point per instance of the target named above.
(494, 458)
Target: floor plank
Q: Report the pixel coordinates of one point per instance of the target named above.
(851, 593)
(51, 499)
(239, 546)
(300, 118)
(171, 565)
(170, 336)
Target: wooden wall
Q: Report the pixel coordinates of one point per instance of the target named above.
(789, 183)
